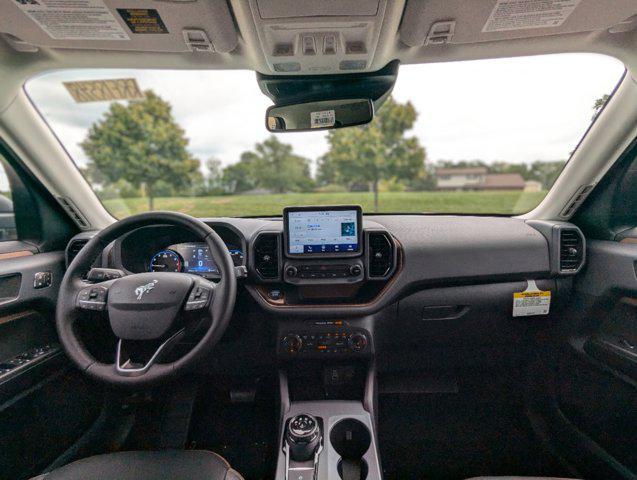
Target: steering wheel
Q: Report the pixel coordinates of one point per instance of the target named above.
(148, 312)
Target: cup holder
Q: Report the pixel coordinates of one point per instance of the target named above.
(351, 440)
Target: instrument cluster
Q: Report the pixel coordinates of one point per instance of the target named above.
(192, 257)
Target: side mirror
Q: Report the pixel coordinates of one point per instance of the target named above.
(323, 115)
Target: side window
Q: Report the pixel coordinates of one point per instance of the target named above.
(7, 216)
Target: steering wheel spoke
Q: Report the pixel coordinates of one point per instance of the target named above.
(130, 368)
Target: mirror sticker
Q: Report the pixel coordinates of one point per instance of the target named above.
(531, 301)
(322, 119)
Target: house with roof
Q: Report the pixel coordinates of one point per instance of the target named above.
(477, 178)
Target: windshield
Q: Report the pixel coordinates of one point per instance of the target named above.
(488, 136)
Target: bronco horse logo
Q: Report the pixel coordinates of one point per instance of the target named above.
(142, 289)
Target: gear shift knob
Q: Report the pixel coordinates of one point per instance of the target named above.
(303, 436)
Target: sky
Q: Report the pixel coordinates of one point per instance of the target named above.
(515, 110)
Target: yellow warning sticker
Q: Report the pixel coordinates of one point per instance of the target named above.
(143, 20)
(104, 90)
(532, 301)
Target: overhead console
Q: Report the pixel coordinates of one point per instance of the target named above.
(331, 36)
(323, 254)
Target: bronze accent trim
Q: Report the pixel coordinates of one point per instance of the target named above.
(628, 240)
(16, 316)
(17, 254)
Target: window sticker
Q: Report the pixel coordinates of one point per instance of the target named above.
(142, 20)
(524, 14)
(104, 90)
(322, 119)
(73, 20)
(531, 301)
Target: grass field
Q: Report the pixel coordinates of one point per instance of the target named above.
(504, 202)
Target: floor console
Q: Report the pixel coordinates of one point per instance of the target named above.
(328, 440)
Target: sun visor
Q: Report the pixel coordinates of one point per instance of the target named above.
(141, 25)
(435, 22)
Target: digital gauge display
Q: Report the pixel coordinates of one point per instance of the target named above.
(166, 261)
(192, 257)
(197, 258)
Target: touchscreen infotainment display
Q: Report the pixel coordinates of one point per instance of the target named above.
(328, 231)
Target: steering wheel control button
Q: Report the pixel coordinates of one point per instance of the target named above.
(92, 298)
(103, 274)
(198, 298)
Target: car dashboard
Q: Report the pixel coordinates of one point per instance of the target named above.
(391, 257)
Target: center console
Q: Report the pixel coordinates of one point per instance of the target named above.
(323, 256)
(346, 448)
(327, 388)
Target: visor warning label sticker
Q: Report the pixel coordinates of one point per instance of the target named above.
(524, 14)
(322, 119)
(76, 20)
(531, 301)
(104, 90)
(142, 20)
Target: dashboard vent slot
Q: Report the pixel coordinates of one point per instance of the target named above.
(571, 250)
(73, 249)
(73, 211)
(266, 255)
(381, 254)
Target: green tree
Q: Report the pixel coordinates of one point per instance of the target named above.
(377, 151)
(141, 143)
(546, 172)
(599, 104)
(243, 175)
(272, 165)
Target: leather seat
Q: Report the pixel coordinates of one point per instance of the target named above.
(163, 465)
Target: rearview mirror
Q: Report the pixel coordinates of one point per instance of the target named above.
(321, 115)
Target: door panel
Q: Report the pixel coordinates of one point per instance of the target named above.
(589, 413)
(45, 405)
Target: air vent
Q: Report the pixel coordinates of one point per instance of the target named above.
(576, 200)
(74, 248)
(73, 212)
(266, 256)
(571, 250)
(381, 254)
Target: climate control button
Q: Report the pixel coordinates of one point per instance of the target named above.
(292, 343)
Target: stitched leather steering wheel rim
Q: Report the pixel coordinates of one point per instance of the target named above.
(220, 308)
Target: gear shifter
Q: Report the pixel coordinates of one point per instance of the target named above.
(303, 437)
